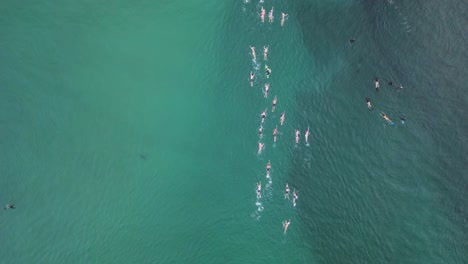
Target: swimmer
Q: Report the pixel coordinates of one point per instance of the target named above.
(259, 189)
(294, 197)
(283, 16)
(282, 118)
(286, 225)
(260, 131)
(263, 115)
(403, 119)
(297, 136)
(390, 83)
(286, 192)
(274, 133)
(260, 148)
(274, 104)
(253, 52)
(307, 133)
(268, 167)
(265, 52)
(376, 84)
(386, 118)
(350, 42)
(9, 206)
(369, 106)
(267, 87)
(252, 76)
(262, 14)
(268, 71)
(270, 15)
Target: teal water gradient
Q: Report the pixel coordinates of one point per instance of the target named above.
(130, 132)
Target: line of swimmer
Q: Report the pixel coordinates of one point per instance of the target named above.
(266, 88)
(275, 130)
(271, 17)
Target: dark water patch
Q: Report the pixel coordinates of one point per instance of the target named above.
(349, 217)
(339, 18)
(438, 60)
(392, 218)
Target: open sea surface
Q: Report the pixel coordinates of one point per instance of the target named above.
(129, 132)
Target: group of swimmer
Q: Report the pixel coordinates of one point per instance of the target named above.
(383, 115)
(267, 69)
(286, 196)
(350, 42)
(270, 16)
(275, 130)
(263, 115)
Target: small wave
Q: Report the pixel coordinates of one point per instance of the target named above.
(402, 17)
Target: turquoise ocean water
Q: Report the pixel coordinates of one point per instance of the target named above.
(129, 132)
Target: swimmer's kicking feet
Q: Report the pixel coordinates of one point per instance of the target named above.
(274, 104)
(252, 49)
(283, 16)
(270, 15)
(282, 118)
(267, 88)
(286, 192)
(263, 115)
(268, 167)
(252, 76)
(259, 189)
(286, 225)
(260, 148)
(275, 131)
(369, 106)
